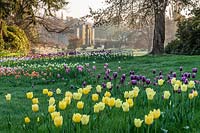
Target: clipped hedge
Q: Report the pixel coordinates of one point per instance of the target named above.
(188, 33)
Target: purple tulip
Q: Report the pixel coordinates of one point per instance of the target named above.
(72, 87)
(174, 74)
(154, 83)
(132, 77)
(154, 71)
(134, 82)
(186, 81)
(122, 80)
(148, 81)
(124, 76)
(94, 67)
(104, 85)
(143, 78)
(194, 75)
(131, 72)
(98, 76)
(179, 91)
(84, 84)
(183, 78)
(168, 77)
(181, 68)
(115, 75)
(160, 73)
(188, 75)
(194, 70)
(161, 77)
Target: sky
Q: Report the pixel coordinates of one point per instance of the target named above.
(79, 8)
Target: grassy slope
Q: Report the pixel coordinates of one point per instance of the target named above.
(141, 65)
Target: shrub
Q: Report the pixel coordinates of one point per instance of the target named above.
(188, 41)
(14, 40)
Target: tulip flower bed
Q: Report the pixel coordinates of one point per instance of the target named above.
(87, 94)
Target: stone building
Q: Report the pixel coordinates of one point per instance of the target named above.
(76, 29)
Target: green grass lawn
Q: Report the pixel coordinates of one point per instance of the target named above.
(110, 119)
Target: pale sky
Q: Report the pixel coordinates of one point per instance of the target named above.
(80, 8)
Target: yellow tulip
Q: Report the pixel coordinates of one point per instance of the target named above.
(76, 117)
(51, 100)
(136, 89)
(166, 94)
(138, 122)
(35, 107)
(35, 101)
(45, 91)
(67, 100)
(54, 114)
(101, 106)
(50, 93)
(80, 90)
(191, 95)
(85, 119)
(149, 119)
(8, 97)
(178, 82)
(80, 105)
(27, 120)
(77, 96)
(176, 87)
(118, 103)
(173, 81)
(95, 97)
(131, 94)
(96, 108)
(150, 94)
(125, 107)
(184, 87)
(111, 102)
(51, 108)
(58, 91)
(160, 82)
(62, 105)
(126, 94)
(107, 94)
(98, 88)
(195, 93)
(29, 95)
(135, 93)
(130, 102)
(156, 113)
(191, 84)
(105, 100)
(108, 85)
(86, 91)
(68, 94)
(58, 121)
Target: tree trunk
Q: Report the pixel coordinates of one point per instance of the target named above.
(159, 33)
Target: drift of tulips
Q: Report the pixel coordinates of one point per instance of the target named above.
(85, 97)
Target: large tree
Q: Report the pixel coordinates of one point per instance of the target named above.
(136, 13)
(26, 13)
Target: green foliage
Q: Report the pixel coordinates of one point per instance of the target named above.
(188, 33)
(14, 40)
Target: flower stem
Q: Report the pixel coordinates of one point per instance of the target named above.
(148, 129)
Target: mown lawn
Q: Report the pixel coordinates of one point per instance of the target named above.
(52, 76)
